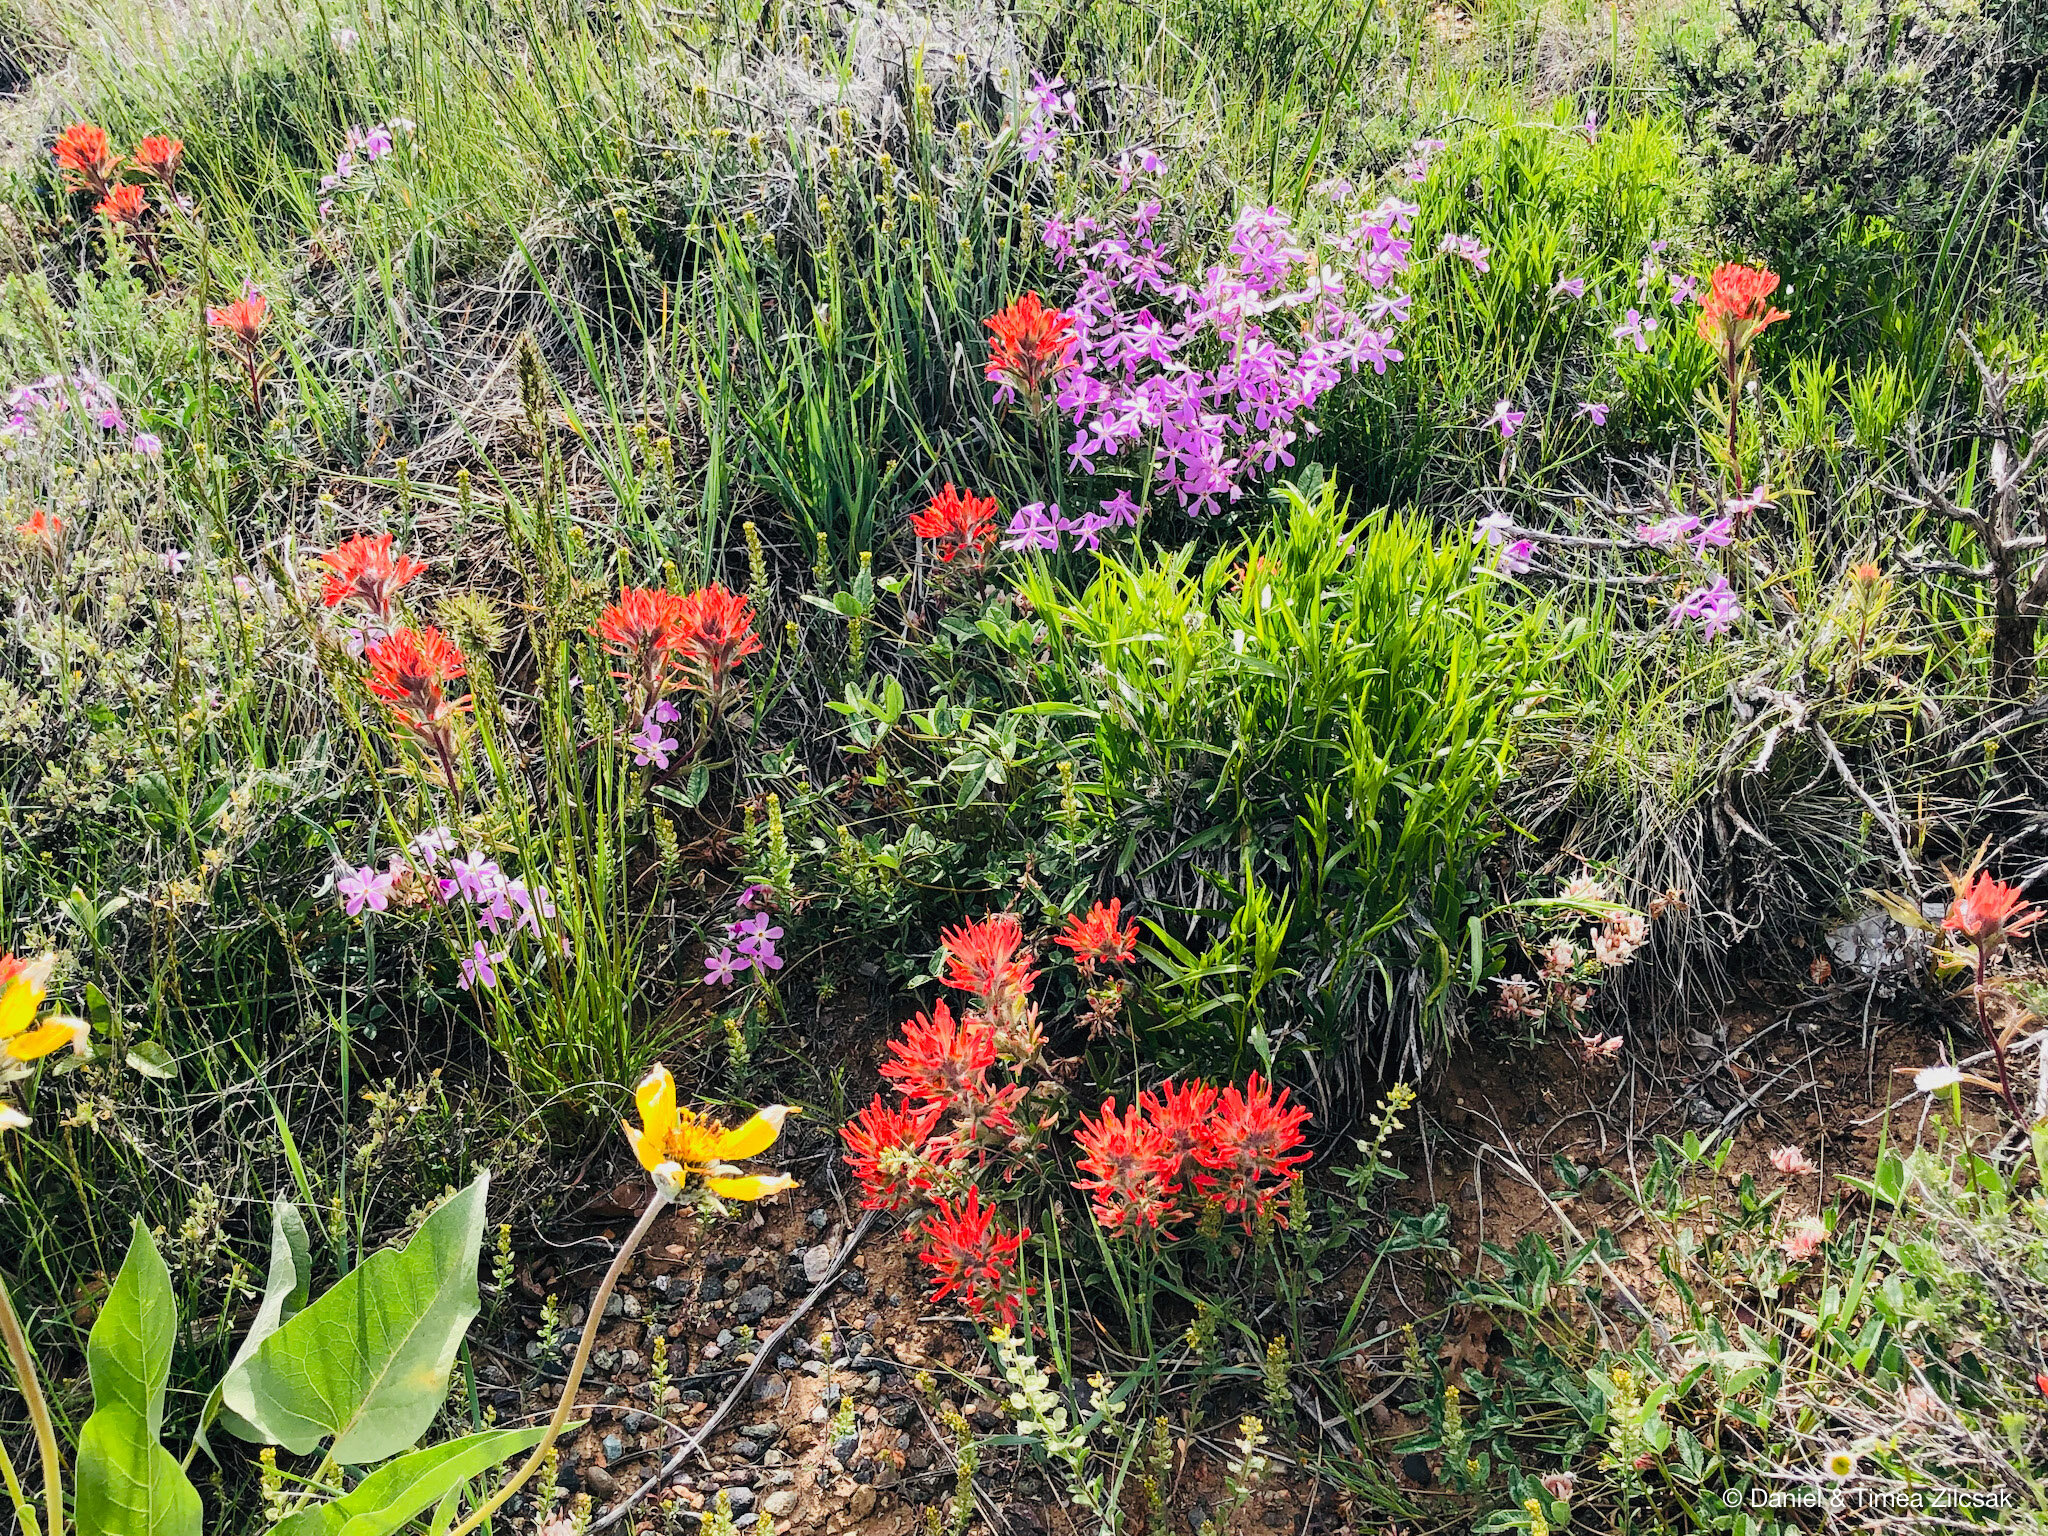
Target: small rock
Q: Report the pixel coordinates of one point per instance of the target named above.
(862, 1503)
(747, 1450)
(629, 1359)
(739, 1497)
(818, 1263)
(616, 1307)
(755, 1301)
(604, 1361)
(921, 1458)
(772, 1458)
(820, 1414)
(780, 1502)
(725, 1337)
(817, 1219)
(711, 1288)
(785, 1362)
(767, 1431)
(846, 1448)
(769, 1388)
(599, 1481)
(614, 1448)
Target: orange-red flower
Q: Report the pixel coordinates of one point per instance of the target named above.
(123, 205)
(642, 629)
(44, 530)
(981, 956)
(715, 633)
(969, 1254)
(963, 525)
(1132, 1172)
(1029, 345)
(1738, 310)
(941, 1061)
(242, 319)
(1184, 1115)
(367, 569)
(886, 1147)
(412, 668)
(86, 157)
(1097, 938)
(1251, 1152)
(158, 156)
(1987, 912)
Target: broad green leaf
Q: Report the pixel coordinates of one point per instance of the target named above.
(152, 1059)
(368, 1362)
(391, 1496)
(128, 1485)
(285, 1291)
(129, 1350)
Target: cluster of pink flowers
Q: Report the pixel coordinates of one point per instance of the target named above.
(1215, 374)
(31, 407)
(361, 148)
(1715, 607)
(749, 942)
(430, 870)
(1567, 972)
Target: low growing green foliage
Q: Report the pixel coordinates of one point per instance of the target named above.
(1332, 706)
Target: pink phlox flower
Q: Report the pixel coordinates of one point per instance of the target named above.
(1515, 559)
(1720, 533)
(365, 887)
(1570, 287)
(1507, 420)
(480, 967)
(722, 967)
(753, 895)
(1676, 526)
(429, 848)
(1715, 607)
(1034, 526)
(1493, 528)
(649, 745)
(1595, 410)
(175, 560)
(1634, 327)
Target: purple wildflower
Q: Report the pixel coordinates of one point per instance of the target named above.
(649, 745)
(1637, 329)
(1715, 607)
(1570, 287)
(1595, 410)
(1035, 526)
(175, 560)
(480, 967)
(365, 887)
(722, 967)
(1507, 420)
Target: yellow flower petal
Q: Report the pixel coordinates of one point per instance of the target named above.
(24, 995)
(757, 1135)
(53, 1034)
(753, 1187)
(656, 1097)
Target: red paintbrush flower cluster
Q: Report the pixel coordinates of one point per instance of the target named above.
(1988, 912)
(1736, 312)
(969, 1254)
(694, 640)
(123, 205)
(85, 156)
(962, 525)
(369, 570)
(410, 670)
(1098, 938)
(1029, 346)
(1184, 1144)
(86, 159)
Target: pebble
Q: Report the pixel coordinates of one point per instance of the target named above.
(820, 1414)
(780, 1503)
(614, 1448)
(769, 1387)
(755, 1301)
(845, 1448)
(863, 1502)
(818, 1263)
(817, 1219)
(599, 1481)
(738, 1497)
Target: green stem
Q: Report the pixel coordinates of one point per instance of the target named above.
(24, 1510)
(38, 1410)
(567, 1405)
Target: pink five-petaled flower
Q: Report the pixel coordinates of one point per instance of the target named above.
(1035, 526)
(1515, 559)
(1805, 1239)
(1569, 287)
(1252, 1149)
(1506, 419)
(1130, 1170)
(480, 967)
(649, 745)
(1593, 1048)
(753, 895)
(1790, 1160)
(1595, 411)
(969, 1255)
(365, 887)
(1716, 607)
(1720, 533)
(722, 967)
(755, 938)
(175, 560)
(1634, 327)
(1467, 248)
(1673, 527)
(886, 1148)
(368, 570)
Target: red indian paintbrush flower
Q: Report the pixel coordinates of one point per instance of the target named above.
(981, 956)
(885, 1147)
(715, 633)
(123, 205)
(158, 156)
(410, 669)
(1251, 1153)
(1097, 939)
(941, 1062)
(642, 629)
(86, 157)
(970, 1255)
(963, 525)
(242, 319)
(45, 531)
(1183, 1114)
(1987, 912)
(369, 570)
(1738, 310)
(1029, 345)
(1131, 1170)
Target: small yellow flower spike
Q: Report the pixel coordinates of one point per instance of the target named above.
(673, 1142)
(23, 1037)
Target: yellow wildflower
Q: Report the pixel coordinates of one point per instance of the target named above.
(673, 1142)
(25, 1038)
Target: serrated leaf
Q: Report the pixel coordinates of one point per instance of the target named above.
(391, 1496)
(368, 1362)
(128, 1353)
(151, 1059)
(128, 1485)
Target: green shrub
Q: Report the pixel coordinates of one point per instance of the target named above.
(1309, 729)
